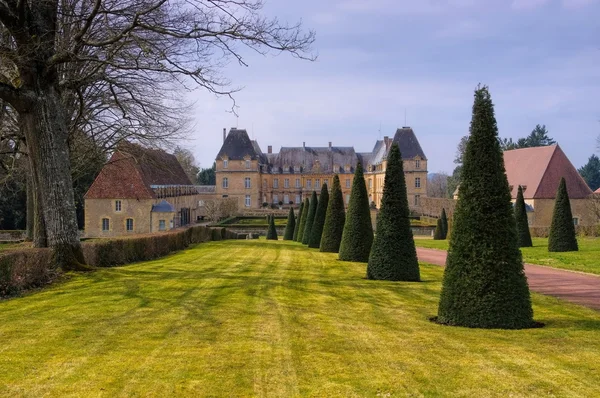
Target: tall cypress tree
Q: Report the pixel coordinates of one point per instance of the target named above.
(484, 282)
(357, 237)
(562, 230)
(521, 220)
(272, 232)
(393, 255)
(317, 227)
(310, 218)
(334, 219)
(444, 219)
(297, 226)
(303, 221)
(291, 225)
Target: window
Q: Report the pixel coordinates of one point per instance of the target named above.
(225, 182)
(309, 184)
(317, 183)
(200, 203)
(276, 183)
(275, 198)
(247, 182)
(162, 225)
(347, 199)
(347, 183)
(298, 199)
(417, 164)
(347, 168)
(129, 224)
(225, 163)
(286, 199)
(418, 182)
(247, 202)
(575, 221)
(264, 183)
(296, 169)
(370, 183)
(286, 183)
(117, 205)
(247, 164)
(105, 224)
(417, 200)
(298, 183)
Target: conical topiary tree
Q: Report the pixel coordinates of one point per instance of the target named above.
(310, 218)
(297, 223)
(317, 227)
(334, 219)
(303, 220)
(521, 220)
(562, 230)
(393, 254)
(357, 236)
(444, 219)
(484, 283)
(439, 230)
(272, 232)
(291, 224)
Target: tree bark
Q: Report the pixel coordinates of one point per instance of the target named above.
(46, 133)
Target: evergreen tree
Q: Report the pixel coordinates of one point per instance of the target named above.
(334, 219)
(562, 230)
(357, 236)
(310, 218)
(272, 232)
(393, 255)
(297, 226)
(291, 225)
(591, 172)
(444, 219)
(484, 282)
(521, 220)
(317, 227)
(303, 220)
(439, 230)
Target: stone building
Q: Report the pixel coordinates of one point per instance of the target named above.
(252, 177)
(142, 190)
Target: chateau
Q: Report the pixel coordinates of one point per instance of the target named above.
(142, 190)
(252, 177)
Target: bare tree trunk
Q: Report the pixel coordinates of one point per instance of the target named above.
(30, 209)
(46, 133)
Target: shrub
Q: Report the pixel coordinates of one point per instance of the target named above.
(310, 218)
(523, 234)
(444, 219)
(393, 254)
(290, 226)
(25, 269)
(439, 230)
(357, 236)
(303, 221)
(562, 230)
(272, 232)
(317, 227)
(334, 219)
(297, 223)
(484, 282)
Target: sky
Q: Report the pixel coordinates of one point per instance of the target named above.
(383, 64)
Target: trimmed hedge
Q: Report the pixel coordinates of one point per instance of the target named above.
(562, 230)
(439, 230)
(444, 219)
(334, 219)
(310, 218)
(521, 219)
(272, 232)
(303, 221)
(290, 227)
(297, 223)
(25, 269)
(314, 240)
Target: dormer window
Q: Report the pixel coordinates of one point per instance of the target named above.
(417, 164)
(296, 169)
(247, 163)
(225, 163)
(347, 168)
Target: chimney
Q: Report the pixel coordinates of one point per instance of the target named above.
(386, 141)
(330, 145)
(224, 134)
(269, 149)
(304, 144)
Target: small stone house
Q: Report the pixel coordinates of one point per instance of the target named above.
(141, 190)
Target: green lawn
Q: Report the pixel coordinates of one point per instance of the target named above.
(585, 260)
(258, 318)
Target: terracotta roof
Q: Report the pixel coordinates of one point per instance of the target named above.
(132, 169)
(540, 169)
(597, 190)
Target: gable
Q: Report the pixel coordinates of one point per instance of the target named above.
(558, 167)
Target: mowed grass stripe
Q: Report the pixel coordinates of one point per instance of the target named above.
(258, 318)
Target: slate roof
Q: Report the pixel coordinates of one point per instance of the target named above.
(163, 207)
(238, 145)
(408, 143)
(314, 159)
(132, 170)
(540, 170)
